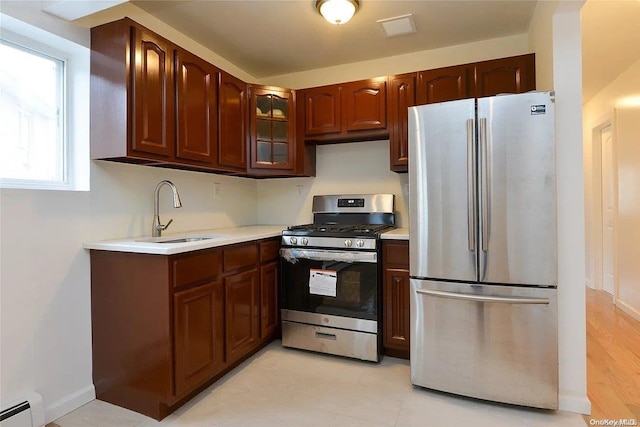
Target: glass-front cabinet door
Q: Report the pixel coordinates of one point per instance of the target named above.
(272, 133)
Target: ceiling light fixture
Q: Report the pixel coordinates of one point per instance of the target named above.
(337, 11)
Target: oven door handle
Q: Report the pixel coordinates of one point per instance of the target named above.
(293, 254)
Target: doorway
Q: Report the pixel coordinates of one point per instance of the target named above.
(604, 209)
(608, 208)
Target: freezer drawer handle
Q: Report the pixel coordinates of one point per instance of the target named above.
(481, 298)
(326, 336)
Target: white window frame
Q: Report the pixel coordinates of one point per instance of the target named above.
(75, 121)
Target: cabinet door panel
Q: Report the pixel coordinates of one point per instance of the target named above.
(272, 129)
(402, 95)
(242, 306)
(323, 112)
(199, 342)
(366, 105)
(443, 84)
(232, 144)
(396, 309)
(152, 118)
(506, 75)
(268, 299)
(197, 104)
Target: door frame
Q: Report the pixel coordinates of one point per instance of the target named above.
(597, 229)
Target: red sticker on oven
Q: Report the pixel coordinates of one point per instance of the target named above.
(323, 282)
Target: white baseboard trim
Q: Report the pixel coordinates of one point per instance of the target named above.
(69, 403)
(628, 309)
(578, 404)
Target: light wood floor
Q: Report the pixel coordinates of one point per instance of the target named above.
(613, 360)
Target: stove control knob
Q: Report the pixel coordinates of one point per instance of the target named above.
(359, 243)
(304, 241)
(293, 240)
(348, 243)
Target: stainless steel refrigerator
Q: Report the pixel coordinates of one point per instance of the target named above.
(483, 260)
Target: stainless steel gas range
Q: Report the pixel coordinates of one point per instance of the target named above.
(332, 278)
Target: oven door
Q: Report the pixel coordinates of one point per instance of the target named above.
(337, 283)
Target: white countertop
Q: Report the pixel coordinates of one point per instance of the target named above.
(396, 234)
(223, 237)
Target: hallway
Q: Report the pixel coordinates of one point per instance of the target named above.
(613, 360)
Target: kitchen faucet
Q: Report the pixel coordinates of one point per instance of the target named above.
(157, 227)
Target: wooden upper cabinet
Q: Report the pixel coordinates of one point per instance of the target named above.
(232, 105)
(402, 95)
(272, 128)
(152, 97)
(197, 108)
(365, 104)
(443, 84)
(506, 75)
(323, 110)
(348, 111)
(153, 102)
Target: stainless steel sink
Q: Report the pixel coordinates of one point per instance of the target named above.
(186, 239)
(182, 239)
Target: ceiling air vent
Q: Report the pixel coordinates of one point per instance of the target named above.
(398, 26)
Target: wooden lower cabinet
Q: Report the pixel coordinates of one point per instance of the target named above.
(165, 327)
(269, 297)
(396, 302)
(242, 305)
(198, 335)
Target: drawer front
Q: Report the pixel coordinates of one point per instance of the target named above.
(269, 250)
(240, 256)
(195, 267)
(395, 252)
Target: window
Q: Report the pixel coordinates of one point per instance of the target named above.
(44, 109)
(32, 112)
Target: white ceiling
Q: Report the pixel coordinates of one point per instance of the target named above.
(273, 37)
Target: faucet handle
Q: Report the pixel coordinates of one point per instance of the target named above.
(161, 227)
(164, 227)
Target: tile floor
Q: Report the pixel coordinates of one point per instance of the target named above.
(284, 387)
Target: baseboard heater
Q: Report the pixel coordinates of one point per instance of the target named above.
(26, 412)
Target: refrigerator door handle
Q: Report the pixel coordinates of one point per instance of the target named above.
(484, 187)
(471, 187)
(482, 298)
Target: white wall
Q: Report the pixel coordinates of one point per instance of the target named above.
(541, 42)
(567, 78)
(627, 146)
(623, 91)
(121, 202)
(357, 167)
(407, 63)
(44, 297)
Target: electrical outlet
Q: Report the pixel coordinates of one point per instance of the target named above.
(217, 190)
(299, 189)
(405, 189)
